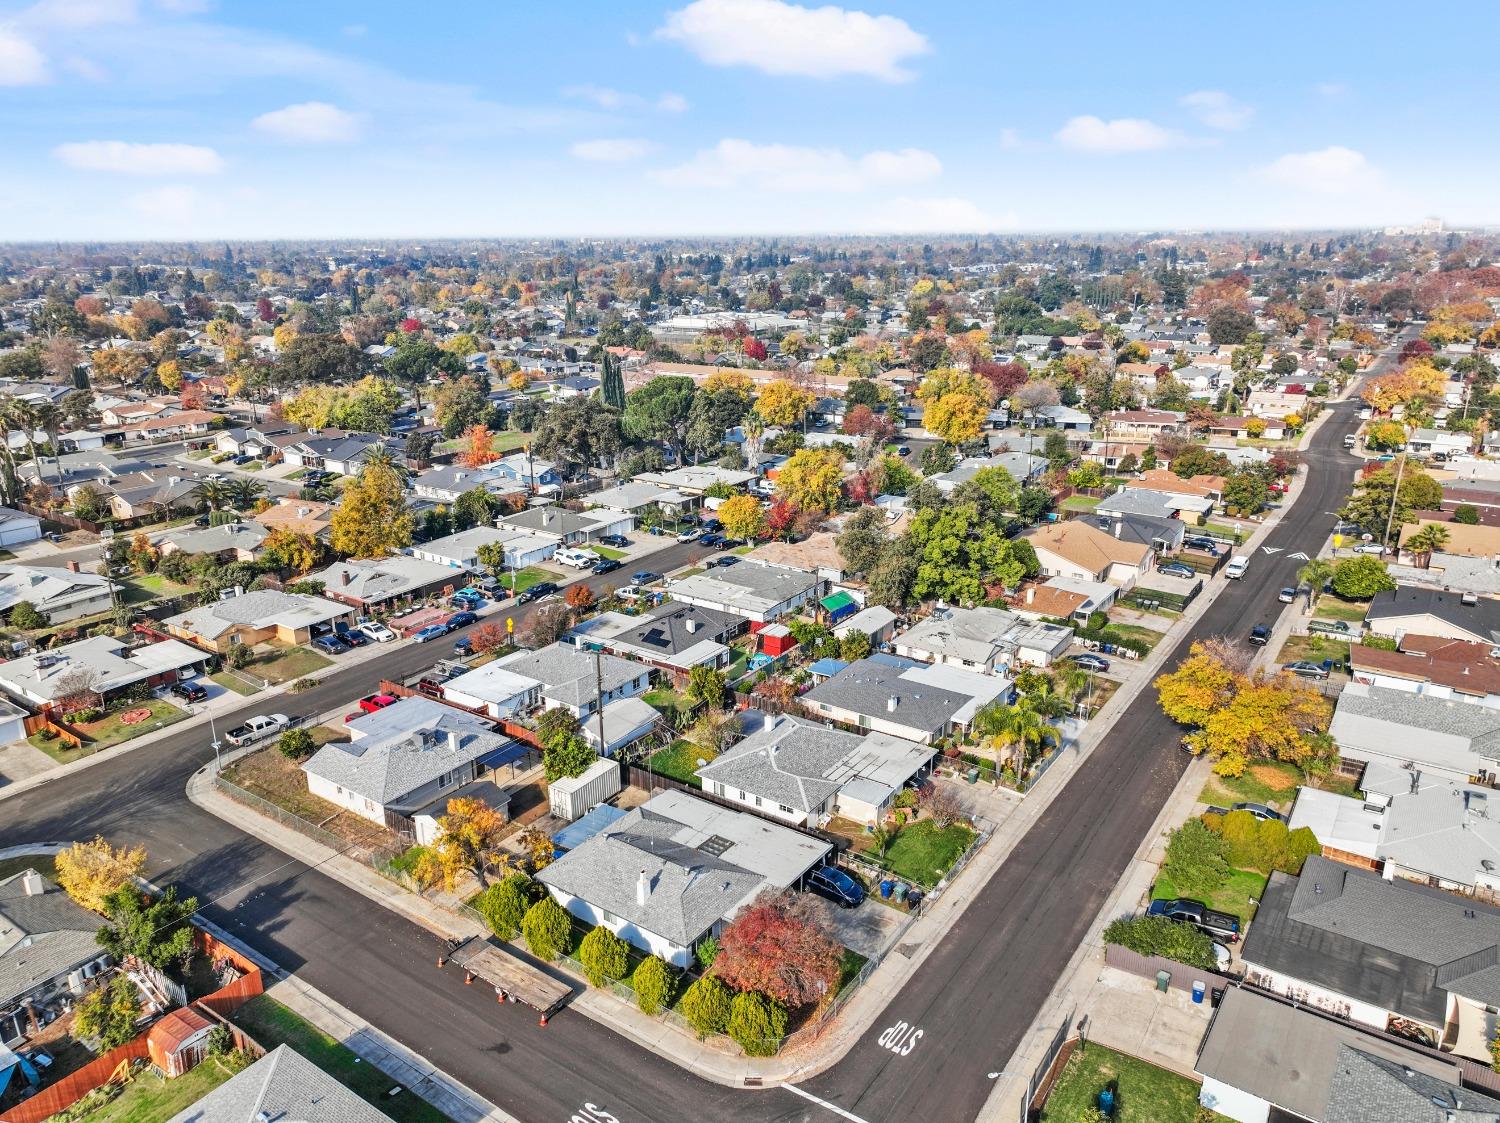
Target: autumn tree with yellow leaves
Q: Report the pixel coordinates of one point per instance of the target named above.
(812, 479)
(90, 871)
(784, 403)
(1240, 716)
(954, 404)
(469, 842)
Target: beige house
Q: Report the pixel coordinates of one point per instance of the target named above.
(263, 616)
(1079, 550)
(298, 516)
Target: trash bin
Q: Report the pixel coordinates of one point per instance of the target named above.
(1163, 981)
(1199, 989)
(885, 888)
(901, 890)
(914, 900)
(973, 775)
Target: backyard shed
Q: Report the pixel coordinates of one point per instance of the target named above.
(776, 639)
(840, 606)
(571, 797)
(179, 1041)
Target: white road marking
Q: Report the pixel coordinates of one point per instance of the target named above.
(1299, 556)
(849, 1115)
(1272, 549)
(593, 1113)
(900, 1038)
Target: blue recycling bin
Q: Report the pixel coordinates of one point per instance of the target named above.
(1198, 991)
(1107, 1102)
(886, 888)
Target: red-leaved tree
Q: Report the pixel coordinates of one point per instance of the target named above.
(264, 311)
(1004, 377)
(411, 324)
(782, 517)
(755, 349)
(1415, 349)
(776, 947)
(481, 450)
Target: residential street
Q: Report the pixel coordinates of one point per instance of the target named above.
(973, 999)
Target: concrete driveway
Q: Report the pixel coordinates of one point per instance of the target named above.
(869, 929)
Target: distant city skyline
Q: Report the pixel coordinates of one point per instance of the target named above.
(186, 119)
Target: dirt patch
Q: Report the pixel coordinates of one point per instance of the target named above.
(273, 777)
(1272, 777)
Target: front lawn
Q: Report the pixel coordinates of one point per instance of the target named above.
(679, 760)
(1272, 783)
(923, 852)
(1138, 632)
(1143, 1092)
(272, 1024)
(149, 1098)
(1234, 896)
(1329, 607)
(524, 579)
(1314, 648)
(111, 730)
(849, 968)
(231, 681)
(289, 665)
(44, 864)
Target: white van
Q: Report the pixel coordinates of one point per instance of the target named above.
(1236, 567)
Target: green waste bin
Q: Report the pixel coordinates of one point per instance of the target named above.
(973, 775)
(1163, 981)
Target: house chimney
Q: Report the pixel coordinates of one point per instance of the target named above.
(344, 576)
(1030, 593)
(1118, 527)
(642, 889)
(453, 740)
(690, 624)
(72, 567)
(892, 702)
(32, 883)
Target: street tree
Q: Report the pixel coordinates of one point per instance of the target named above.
(742, 517)
(90, 871)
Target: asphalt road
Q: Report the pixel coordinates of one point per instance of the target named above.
(973, 1000)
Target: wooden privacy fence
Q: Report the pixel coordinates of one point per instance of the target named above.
(1181, 976)
(34, 723)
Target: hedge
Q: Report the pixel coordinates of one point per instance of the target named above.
(1156, 935)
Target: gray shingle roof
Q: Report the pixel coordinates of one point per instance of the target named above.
(867, 687)
(1421, 726)
(568, 675)
(1482, 618)
(787, 761)
(285, 1087)
(61, 936)
(385, 769)
(1365, 1087)
(665, 629)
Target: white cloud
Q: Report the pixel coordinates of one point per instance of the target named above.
(21, 64)
(672, 103)
(310, 122)
(1335, 170)
(81, 13)
(1331, 89)
(611, 151)
(139, 159)
(1010, 139)
(945, 214)
(614, 100)
(87, 69)
(1216, 109)
(781, 38)
(786, 167)
(1123, 134)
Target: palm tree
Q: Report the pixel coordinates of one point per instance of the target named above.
(23, 416)
(49, 418)
(1427, 541)
(243, 494)
(1020, 728)
(213, 494)
(1316, 573)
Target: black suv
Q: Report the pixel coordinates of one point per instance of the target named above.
(189, 691)
(536, 592)
(1260, 635)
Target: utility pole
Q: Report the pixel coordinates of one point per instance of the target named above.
(1395, 495)
(599, 699)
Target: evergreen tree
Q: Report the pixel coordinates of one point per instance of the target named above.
(612, 385)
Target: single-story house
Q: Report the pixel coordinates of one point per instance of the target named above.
(369, 582)
(1431, 665)
(446, 482)
(18, 528)
(1082, 551)
(401, 759)
(1440, 736)
(675, 870)
(1470, 540)
(492, 689)
(461, 550)
(48, 952)
(982, 639)
(259, 616)
(759, 593)
(636, 497)
(1433, 612)
(236, 541)
(187, 423)
(1452, 573)
(672, 636)
(1398, 957)
(282, 1085)
(803, 773)
(817, 553)
(149, 491)
(905, 698)
(337, 451)
(522, 470)
(298, 516)
(1425, 442)
(98, 665)
(695, 479)
(1143, 422)
(1161, 536)
(60, 594)
(1132, 500)
(257, 441)
(1264, 1059)
(569, 528)
(578, 681)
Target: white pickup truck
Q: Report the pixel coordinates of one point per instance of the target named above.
(258, 728)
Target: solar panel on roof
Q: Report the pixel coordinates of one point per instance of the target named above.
(656, 638)
(715, 845)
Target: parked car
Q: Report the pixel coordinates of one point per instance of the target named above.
(330, 645)
(718, 563)
(728, 544)
(1219, 925)
(1177, 569)
(353, 639)
(903, 450)
(644, 577)
(1302, 668)
(431, 632)
(257, 728)
(710, 539)
(691, 534)
(372, 702)
(837, 886)
(577, 558)
(189, 691)
(536, 592)
(1369, 548)
(1091, 662)
(1237, 567)
(1287, 594)
(468, 597)
(713, 526)
(1202, 545)
(618, 541)
(1260, 635)
(460, 620)
(607, 565)
(1260, 811)
(376, 631)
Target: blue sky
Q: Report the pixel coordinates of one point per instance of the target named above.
(202, 119)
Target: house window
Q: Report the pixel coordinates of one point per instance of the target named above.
(785, 810)
(718, 789)
(757, 801)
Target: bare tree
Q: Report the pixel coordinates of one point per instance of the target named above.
(77, 689)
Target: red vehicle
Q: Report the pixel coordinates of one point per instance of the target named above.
(377, 702)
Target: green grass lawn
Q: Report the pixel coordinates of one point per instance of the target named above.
(110, 730)
(272, 1024)
(233, 682)
(200, 454)
(608, 552)
(149, 1098)
(406, 861)
(668, 701)
(1314, 648)
(58, 749)
(157, 585)
(297, 475)
(923, 852)
(1223, 528)
(1234, 896)
(525, 578)
(1149, 636)
(1271, 783)
(1143, 1092)
(678, 760)
(850, 966)
(44, 864)
(1080, 503)
(1329, 607)
(289, 665)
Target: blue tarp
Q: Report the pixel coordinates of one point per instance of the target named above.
(505, 754)
(826, 668)
(576, 833)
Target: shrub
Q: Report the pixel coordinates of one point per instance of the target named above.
(26, 617)
(239, 656)
(296, 744)
(1301, 844)
(757, 1023)
(707, 951)
(220, 1040)
(1195, 860)
(1240, 831)
(604, 956)
(653, 985)
(706, 1006)
(1156, 935)
(504, 904)
(546, 927)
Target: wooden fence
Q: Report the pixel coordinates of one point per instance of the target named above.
(36, 722)
(73, 1087)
